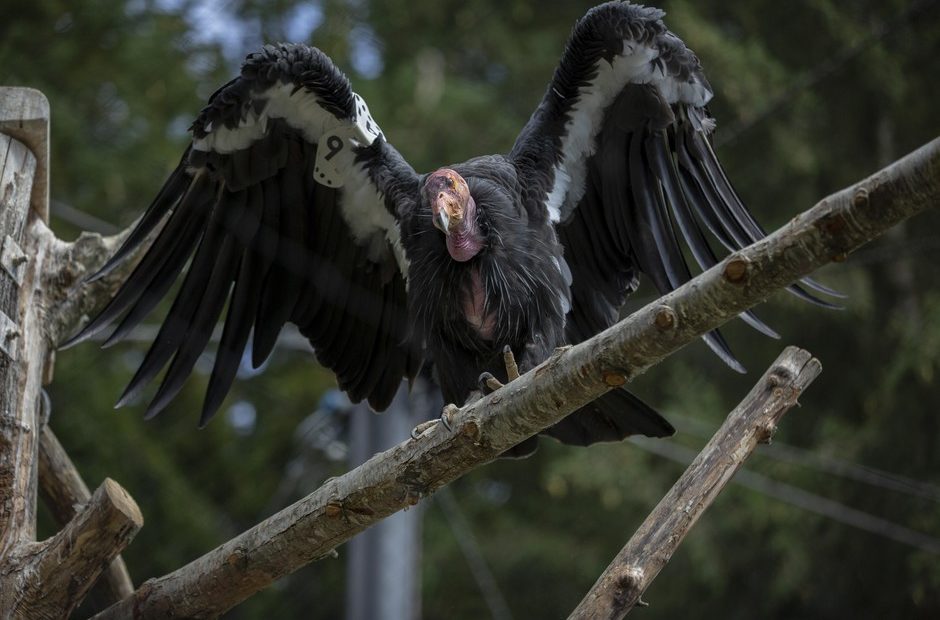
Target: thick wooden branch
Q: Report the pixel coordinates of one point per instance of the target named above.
(398, 478)
(71, 299)
(64, 493)
(753, 421)
(59, 572)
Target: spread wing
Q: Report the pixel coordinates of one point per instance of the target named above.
(285, 207)
(618, 153)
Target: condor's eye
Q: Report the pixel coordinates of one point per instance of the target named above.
(450, 183)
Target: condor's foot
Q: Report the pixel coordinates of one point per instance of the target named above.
(447, 418)
(488, 383)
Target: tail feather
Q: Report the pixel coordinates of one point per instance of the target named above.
(612, 417)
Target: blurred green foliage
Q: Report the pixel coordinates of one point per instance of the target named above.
(810, 96)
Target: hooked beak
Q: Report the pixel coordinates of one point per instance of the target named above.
(442, 222)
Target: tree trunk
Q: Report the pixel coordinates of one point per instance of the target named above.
(38, 579)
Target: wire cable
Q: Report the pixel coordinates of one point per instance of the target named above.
(827, 464)
(470, 548)
(827, 67)
(805, 500)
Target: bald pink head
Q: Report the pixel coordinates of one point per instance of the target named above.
(453, 212)
(449, 196)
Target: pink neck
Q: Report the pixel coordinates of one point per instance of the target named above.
(466, 241)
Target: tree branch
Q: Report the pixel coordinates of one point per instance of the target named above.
(573, 376)
(71, 299)
(753, 421)
(64, 492)
(63, 568)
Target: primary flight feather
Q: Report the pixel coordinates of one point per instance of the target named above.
(290, 205)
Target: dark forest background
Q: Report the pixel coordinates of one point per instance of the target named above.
(811, 95)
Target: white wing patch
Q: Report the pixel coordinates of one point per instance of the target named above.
(363, 208)
(634, 65)
(301, 111)
(361, 204)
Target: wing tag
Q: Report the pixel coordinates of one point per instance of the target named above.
(367, 129)
(335, 147)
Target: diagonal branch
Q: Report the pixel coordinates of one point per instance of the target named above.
(753, 421)
(65, 493)
(400, 477)
(62, 569)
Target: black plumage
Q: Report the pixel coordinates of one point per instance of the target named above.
(290, 206)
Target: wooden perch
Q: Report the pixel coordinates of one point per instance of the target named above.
(753, 421)
(64, 493)
(400, 477)
(63, 568)
(37, 579)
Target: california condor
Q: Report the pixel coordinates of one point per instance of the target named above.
(292, 206)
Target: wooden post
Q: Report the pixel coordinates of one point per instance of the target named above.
(50, 578)
(24, 116)
(21, 348)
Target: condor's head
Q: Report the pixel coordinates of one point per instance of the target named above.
(453, 212)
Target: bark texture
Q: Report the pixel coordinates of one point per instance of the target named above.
(24, 116)
(22, 352)
(37, 579)
(573, 376)
(65, 493)
(753, 421)
(63, 568)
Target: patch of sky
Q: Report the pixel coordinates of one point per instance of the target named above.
(302, 20)
(365, 52)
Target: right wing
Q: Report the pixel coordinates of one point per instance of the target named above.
(618, 154)
(286, 201)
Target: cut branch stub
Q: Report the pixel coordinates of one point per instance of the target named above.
(57, 573)
(64, 493)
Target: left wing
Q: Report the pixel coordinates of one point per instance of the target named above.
(285, 206)
(618, 154)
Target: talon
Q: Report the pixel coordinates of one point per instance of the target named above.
(512, 369)
(488, 383)
(422, 428)
(446, 415)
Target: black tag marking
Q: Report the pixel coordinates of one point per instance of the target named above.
(335, 145)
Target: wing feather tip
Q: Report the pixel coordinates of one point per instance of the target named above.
(75, 339)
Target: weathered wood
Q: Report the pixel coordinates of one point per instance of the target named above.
(398, 478)
(753, 421)
(18, 437)
(24, 116)
(45, 579)
(71, 299)
(58, 572)
(64, 492)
